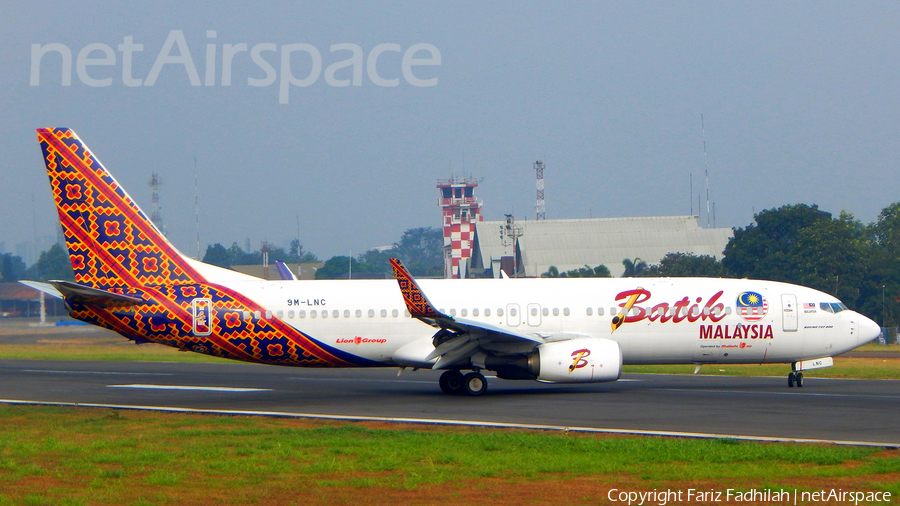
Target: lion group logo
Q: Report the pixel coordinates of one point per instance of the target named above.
(752, 306)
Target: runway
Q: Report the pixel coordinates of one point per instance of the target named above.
(859, 411)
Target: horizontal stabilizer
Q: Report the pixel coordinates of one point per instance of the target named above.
(94, 296)
(43, 287)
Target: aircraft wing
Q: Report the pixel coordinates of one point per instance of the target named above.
(458, 338)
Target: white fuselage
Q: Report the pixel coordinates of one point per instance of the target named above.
(678, 320)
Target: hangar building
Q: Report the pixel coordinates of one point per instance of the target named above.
(529, 248)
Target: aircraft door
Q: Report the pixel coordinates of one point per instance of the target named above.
(789, 312)
(201, 310)
(534, 315)
(513, 316)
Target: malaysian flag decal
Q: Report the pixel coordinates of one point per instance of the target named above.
(752, 306)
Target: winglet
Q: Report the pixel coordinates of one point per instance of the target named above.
(284, 271)
(417, 303)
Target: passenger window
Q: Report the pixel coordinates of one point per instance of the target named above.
(475, 312)
(301, 313)
(556, 311)
(406, 313)
(513, 312)
(534, 311)
(452, 311)
(545, 312)
(312, 313)
(599, 311)
(335, 313)
(324, 313)
(463, 312)
(371, 313)
(384, 313)
(565, 311)
(499, 311)
(346, 313)
(256, 315)
(487, 311)
(246, 315)
(291, 314)
(590, 312)
(268, 315)
(728, 310)
(359, 313)
(395, 313)
(280, 314)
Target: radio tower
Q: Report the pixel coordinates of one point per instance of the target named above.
(154, 184)
(539, 207)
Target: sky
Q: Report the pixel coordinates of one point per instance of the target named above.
(799, 104)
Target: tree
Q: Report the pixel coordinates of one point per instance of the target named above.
(52, 264)
(422, 251)
(763, 250)
(552, 272)
(601, 271)
(675, 265)
(634, 268)
(216, 254)
(11, 268)
(802, 245)
(336, 267)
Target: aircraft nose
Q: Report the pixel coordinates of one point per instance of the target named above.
(868, 330)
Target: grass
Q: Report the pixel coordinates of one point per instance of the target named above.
(52, 455)
(844, 368)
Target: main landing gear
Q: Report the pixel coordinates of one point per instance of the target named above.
(455, 383)
(795, 377)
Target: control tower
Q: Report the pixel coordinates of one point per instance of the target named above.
(460, 211)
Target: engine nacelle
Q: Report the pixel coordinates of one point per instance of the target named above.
(583, 360)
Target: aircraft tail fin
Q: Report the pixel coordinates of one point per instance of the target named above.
(111, 241)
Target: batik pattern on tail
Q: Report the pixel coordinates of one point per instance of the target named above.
(114, 247)
(111, 242)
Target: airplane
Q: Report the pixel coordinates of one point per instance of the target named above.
(130, 279)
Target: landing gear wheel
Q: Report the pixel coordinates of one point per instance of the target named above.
(790, 380)
(798, 377)
(474, 383)
(451, 382)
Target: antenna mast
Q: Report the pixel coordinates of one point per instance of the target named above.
(197, 206)
(539, 207)
(155, 216)
(705, 167)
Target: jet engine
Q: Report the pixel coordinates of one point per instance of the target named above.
(582, 360)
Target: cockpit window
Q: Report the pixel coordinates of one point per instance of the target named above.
(832, 307)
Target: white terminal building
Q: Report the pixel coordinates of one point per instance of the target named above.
(476, 248)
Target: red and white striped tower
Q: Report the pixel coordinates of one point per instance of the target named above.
(539, 207)
(460, 211)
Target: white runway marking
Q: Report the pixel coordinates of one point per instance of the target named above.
(113, 373)
(200, 388)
